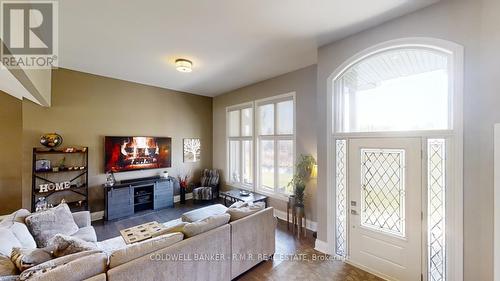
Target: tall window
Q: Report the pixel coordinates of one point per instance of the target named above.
(240, 145)
(276, 144)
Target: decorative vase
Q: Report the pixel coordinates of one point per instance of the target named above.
(183, 195)
(51, 140)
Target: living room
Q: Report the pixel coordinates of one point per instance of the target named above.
(250, 140)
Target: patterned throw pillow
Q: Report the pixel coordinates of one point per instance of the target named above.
(63, 245)
(7, 267)
(27, 258)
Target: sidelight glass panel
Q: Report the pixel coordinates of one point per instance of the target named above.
(341, 194)
(383, 190)
(436, 180)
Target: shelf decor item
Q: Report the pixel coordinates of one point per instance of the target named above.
(66, 178)
(51, 140)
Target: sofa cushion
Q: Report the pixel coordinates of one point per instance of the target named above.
(197, 227)
(86, 233)
(203, 213)
(44, 225)
(79, 266)
(139, 249)
(245, 210)
(63, 245)
(7, 267)
(8, 241)
(15, 222)
(27, 258)
(110, 245)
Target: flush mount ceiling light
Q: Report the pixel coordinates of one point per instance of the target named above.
(183, 65)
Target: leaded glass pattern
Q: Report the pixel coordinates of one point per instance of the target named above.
(383, 190)
(436, 181)
(341, 193)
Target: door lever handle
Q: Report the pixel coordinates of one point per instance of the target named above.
(354, 212)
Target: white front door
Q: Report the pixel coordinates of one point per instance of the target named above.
(385, 206)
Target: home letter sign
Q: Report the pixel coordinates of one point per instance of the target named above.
(54, 186)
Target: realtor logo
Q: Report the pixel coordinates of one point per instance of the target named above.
(29, 34)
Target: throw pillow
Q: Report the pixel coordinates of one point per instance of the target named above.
(15, 222)
(195, 228)
(18, 216)
(7, 267)
(246, 210)
(203, 213)
(26, 258)
(7, 241)
(238, 204)
(63, 245)
(46, 224)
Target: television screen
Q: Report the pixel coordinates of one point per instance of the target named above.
(137, 153)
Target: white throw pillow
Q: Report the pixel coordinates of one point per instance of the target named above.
(245, 210)
(8, 241)
(203, 213)
(197, 227)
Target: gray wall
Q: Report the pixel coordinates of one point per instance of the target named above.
(303, 83)
(475, 25)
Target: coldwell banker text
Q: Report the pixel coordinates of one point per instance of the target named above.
(30, 34)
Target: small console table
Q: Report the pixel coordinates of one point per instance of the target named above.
(128, 197)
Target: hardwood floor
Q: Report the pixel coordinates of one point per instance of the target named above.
(294, 259)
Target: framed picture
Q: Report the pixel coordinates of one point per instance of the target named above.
(42, 165)
(192, 150)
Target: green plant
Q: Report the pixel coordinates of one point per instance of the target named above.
(303, 170)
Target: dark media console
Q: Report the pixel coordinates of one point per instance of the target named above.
(128, 197)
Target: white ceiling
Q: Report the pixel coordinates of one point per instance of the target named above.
(232, 43)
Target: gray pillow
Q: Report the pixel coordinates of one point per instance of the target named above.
(46, 224)
(63, 245)
(7, 267)
(198, 227)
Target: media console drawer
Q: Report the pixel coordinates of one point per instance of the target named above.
(126, 198)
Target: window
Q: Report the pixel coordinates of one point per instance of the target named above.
(276, 144)
(389, 91)
(240, 145)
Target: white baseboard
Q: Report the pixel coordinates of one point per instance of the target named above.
(311, 225)
(99, 215)
(321, 246)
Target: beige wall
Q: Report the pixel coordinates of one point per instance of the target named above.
(85, 108)
(475, 27)
(303, 83)
(11, 153)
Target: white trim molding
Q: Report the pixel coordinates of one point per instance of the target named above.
(321, 246)
(496, 235)
(454, 195)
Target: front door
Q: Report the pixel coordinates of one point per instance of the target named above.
(385, 207)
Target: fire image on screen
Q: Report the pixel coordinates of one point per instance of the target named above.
(137, 153)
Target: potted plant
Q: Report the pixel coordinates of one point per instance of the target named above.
(303, 170)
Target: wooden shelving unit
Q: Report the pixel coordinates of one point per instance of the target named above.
(77, 195)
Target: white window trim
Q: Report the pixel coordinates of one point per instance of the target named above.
(274, 100)
(241, 139)
(496, 235)
(454, 197)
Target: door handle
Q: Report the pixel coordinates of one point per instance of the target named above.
(354, 212)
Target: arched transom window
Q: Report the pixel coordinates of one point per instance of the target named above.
(400, 89)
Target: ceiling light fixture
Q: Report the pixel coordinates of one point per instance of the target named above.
(183, 65)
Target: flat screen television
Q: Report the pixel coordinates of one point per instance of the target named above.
(137, 153)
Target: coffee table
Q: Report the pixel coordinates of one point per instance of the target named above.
(234, 195)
